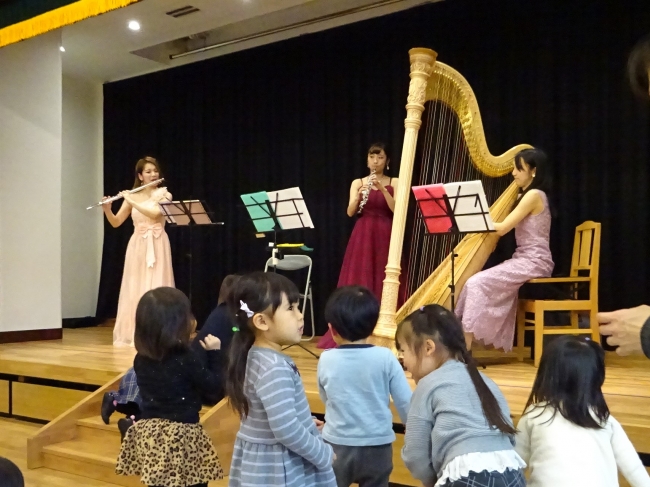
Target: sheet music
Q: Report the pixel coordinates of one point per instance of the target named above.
(472, 213)
(198, 213)
(258, 211)
(175, 214)
(282, 202)
(435, 214)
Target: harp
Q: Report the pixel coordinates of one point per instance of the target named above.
(453, 148)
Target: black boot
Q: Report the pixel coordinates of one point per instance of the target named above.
(108, 407)
(123, 425)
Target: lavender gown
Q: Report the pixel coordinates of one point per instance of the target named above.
(487, 305)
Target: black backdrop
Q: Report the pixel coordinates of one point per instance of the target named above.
(302, 113)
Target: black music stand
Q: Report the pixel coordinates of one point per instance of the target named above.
(277, 211)
(463, 206)
(188, 214)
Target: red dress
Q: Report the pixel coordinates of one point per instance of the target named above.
(366, 256)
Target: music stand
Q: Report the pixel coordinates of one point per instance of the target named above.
(188, 214)
(276, 211)
(454, 208)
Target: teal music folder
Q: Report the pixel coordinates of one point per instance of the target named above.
(258, 210)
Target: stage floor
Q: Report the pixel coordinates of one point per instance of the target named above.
(86, 356)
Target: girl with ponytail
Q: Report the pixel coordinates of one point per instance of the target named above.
(278, 442)
(458, 432)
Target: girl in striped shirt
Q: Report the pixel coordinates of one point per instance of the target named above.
(278, 443)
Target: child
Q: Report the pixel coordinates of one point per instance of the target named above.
(458, 431)
(219, 324)
(168, 446)
(278, 443)
(566, 434)
(356, 381)
(10, 474)
(125, 400)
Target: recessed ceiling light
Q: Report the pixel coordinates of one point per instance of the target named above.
(134, 25)
(61, 48)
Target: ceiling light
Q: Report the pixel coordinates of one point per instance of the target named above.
(134, 25)
(61, 48)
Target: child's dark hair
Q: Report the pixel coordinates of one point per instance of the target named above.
(441, 325)
(10, 474)
(638, 67)
(569, 380)
(353, 312)
(262, 292)
(227, 286)
(163, 323)
(536, 159)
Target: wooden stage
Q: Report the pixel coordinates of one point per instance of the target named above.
(41, 380)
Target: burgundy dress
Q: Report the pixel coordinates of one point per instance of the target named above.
(366, 256)
(488, 302)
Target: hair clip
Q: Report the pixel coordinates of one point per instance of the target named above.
(235, 329)
(244, 307)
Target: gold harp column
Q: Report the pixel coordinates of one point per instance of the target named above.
(422, 61)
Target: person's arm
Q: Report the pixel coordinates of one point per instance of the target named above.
(530, 202)
(207, 379)
(627, 329)
(416, 452)
(355, 197)
(387, 196)
(148, 208)
(276, 390)
(400, 390)
(119, 218)
(627, 459)
(522, 440)
(321, 389)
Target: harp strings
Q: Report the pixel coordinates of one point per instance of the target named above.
(444, 157)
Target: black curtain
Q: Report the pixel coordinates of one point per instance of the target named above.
(302, 113)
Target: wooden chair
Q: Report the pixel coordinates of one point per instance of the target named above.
(584, 272)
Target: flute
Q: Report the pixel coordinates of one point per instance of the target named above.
(135, 190)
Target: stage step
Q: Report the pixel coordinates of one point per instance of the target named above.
(87, 457)
(94, 456)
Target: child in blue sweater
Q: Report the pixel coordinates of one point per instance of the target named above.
(356, 381)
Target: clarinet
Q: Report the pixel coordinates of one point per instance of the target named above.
(365, 194)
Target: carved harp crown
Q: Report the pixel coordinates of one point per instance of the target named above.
(453, 149)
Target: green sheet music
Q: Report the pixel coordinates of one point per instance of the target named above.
(259, 211)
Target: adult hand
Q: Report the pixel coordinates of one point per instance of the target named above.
(127, 196)
(360, 193)
(211, 342)
(623, 328)
(379, 185)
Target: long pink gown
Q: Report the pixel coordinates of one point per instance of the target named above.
(366, 255)
(487, 305)
(147, 265)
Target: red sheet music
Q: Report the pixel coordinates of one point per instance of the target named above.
(430, 200)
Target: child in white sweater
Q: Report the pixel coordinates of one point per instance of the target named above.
(567, 435)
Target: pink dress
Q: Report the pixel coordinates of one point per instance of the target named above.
(487, 305)
(147, 265)
(366, 255)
